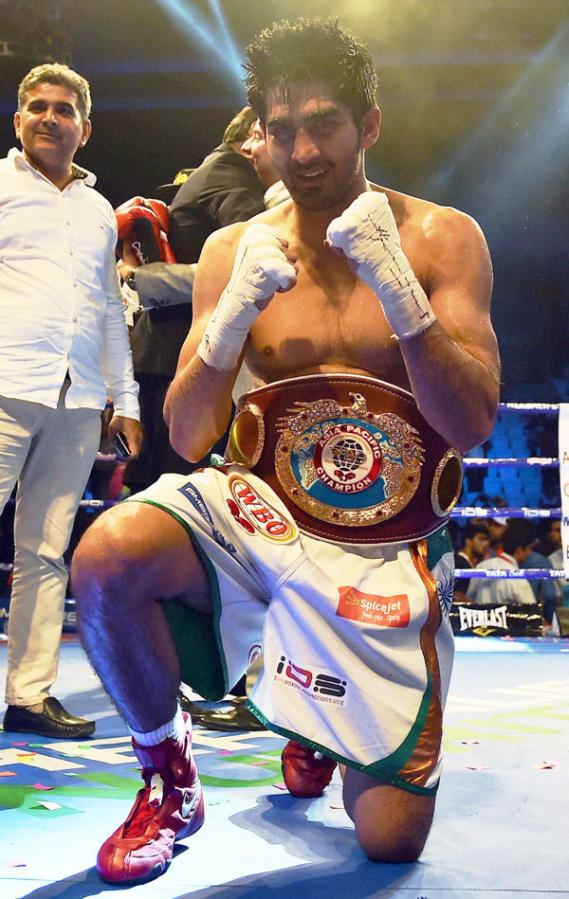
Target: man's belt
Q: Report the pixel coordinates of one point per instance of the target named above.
(351, 457)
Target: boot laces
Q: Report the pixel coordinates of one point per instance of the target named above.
(148, 800)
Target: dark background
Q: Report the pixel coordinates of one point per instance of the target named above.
(475, 100)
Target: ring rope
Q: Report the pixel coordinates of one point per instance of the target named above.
(532, 408)
(499, 512)
(540, 461)
(530, 573)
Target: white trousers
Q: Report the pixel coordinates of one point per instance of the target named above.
(49, 453)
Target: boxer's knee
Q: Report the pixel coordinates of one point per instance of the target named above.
(133, 553)
(103, 563)
(387, 842)
(392, 825)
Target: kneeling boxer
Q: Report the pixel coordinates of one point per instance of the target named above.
(362, 315)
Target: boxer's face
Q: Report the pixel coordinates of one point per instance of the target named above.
(316, 145)
(49, 126)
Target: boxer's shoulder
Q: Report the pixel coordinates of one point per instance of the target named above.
(408, 209)
(451, 230)
(425, 221)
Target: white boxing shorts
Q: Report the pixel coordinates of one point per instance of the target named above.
(356, 640)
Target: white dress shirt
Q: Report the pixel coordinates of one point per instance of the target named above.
(60, 305)
(490, 591)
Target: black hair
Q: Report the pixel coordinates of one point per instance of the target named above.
(306, 49)
(471, 530)
(519, 532)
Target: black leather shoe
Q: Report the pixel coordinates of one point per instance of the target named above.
(196, 709)
(234, 717)
(53, 721)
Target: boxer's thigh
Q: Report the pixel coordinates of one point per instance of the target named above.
(392, 824)
(141, 548)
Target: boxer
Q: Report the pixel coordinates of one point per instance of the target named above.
(363, 317)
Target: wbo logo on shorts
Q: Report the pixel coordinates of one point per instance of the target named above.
(255, 515)
(383, 611)
(319, 686)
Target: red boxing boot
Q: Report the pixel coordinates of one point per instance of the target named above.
(168, 808)
(305, 772)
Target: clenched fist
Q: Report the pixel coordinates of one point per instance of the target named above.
(261, 269)
(367, 234)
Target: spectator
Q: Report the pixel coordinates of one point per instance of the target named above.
(473, 550)
(518, 540)
(255, 148)
(64, 342)
(545, 589)
(224, 189)
(557, 560)
(496, 528)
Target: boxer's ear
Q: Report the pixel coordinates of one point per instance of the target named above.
(371, 124)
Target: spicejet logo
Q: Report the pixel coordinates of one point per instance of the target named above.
(384, 611)
(254, 514)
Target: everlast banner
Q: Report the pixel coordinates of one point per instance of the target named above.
(496, 621)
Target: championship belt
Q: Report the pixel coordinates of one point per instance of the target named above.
(351, 457)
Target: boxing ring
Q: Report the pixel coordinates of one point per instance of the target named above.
(534, 514)
(502, 806)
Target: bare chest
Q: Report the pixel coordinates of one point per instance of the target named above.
(329, 321)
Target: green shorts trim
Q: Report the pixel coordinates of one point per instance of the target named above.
(384, 770)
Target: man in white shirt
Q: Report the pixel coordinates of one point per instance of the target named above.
(63, 350)
(518, 541)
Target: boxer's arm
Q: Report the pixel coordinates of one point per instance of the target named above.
(198, 403)
(239, 271)
(443, 326)
(453, 365)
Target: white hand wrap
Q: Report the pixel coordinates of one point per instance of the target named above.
(131, 303)
(366, 232)
(260, 268)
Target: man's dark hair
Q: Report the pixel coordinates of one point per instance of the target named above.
(471, 530)
(289, 52)
(238, 128)
(519, 532)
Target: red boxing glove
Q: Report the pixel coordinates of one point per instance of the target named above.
(163, 214)
(126, 214)
(143, 223)
(161, 210)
